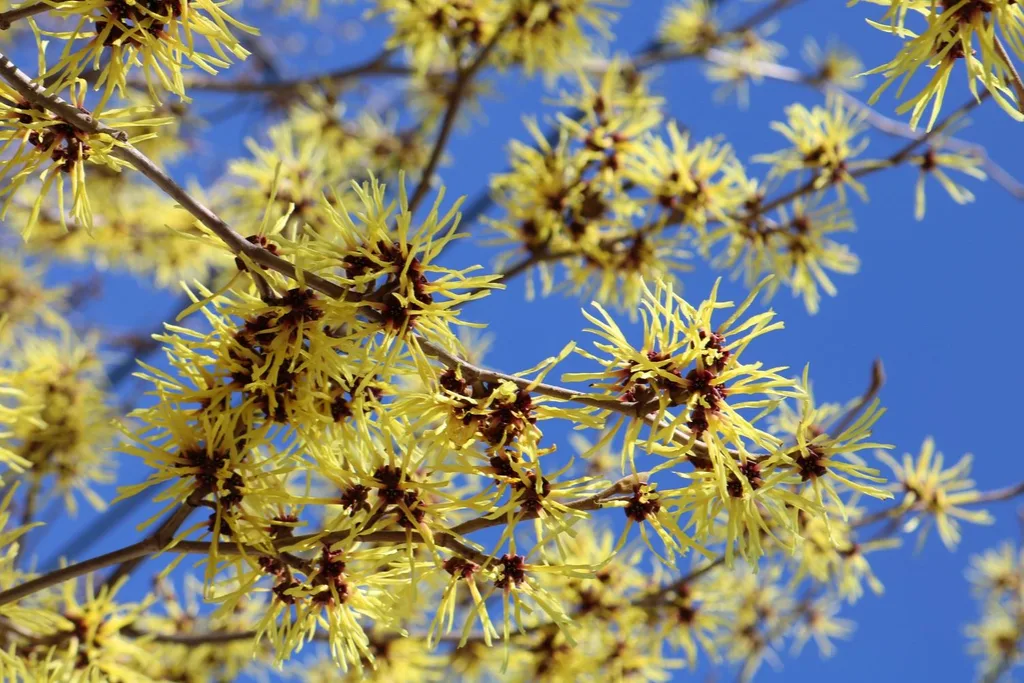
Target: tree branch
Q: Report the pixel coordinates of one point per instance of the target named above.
(160, 538)
(84, 121)
(59, 576)
(993, 496)
(375, 66)
(1015, 80)
(875, 386)
(27, 10)
(130, 556)
(455, 99)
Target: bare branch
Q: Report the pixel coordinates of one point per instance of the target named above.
(378, 65)
(1015, 80)
(875, 386)
(160, 538)
(27, 10)
(455, 100)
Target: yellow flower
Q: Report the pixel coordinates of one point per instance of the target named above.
(61, 422)
(824, 141)
(834, 64)
(796, 248)
(39, 144)
(820, 623)
(338, 592)
(755, 510)
(542, 36)
(287, 178)
(159, 37)
(695, 615)
(550, 36)
(519, 585)
(395, 658)
(569, 199)
(90, 641)
(827, 552)
(684, 361)
(996, 639)
(650, 510)
(739, 66)
(392, 263)
(25, 303)
(998, 573)
(933, 162)
(954, 30)
(172, 616)
(690, 26)
(760, 604)
(694, 182)
(437, 33)
(933, 495)
(828, 463)
(614, 270)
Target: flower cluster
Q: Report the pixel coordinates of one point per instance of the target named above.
(25, 303)
(690, 387)
(348, 454)
(824, 140)
(997, 580)
(548, 35)
(933, 495)
(613, 203)
(692, 28)
(57, 424)
(946, 34)
(325, 438)
(40, 145)
(157, 36)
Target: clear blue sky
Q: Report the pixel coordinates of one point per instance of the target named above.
(938, 301)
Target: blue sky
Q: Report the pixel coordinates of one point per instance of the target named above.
(938, 301)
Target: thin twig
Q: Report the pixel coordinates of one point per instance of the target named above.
(455, 100)
(657, 597)
(160, 537)
(993, 496)
(375, 66)
(765, 14)
(645, 411)
(29, 509)
(874, 386)
(895, 159)
(875, 119)
(36, 94)
(12, 15)
(59, 576)
(1015, 80)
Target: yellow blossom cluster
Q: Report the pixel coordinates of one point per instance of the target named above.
(986, 36)
(334, 463)
(615, 202)
(547, 35)
(997, 581)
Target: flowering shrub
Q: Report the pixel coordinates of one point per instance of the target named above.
(336, 463)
